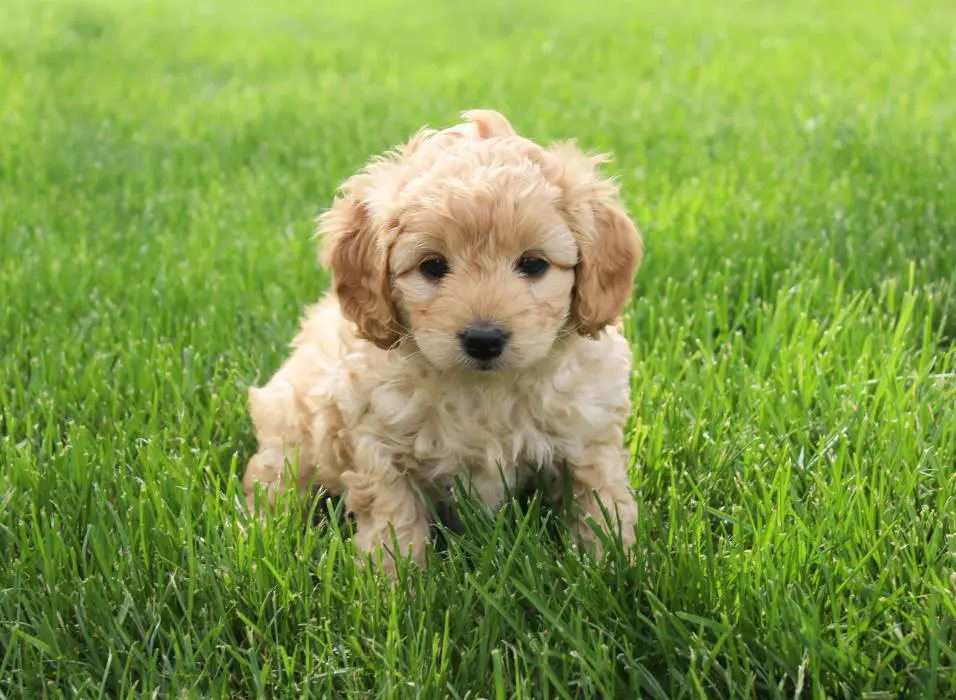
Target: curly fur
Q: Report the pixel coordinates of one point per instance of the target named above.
(377, 401)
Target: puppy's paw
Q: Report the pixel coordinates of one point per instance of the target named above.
(617, 523)
(382, 551)
(379, 560)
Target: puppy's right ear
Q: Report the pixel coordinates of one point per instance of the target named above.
(356, 251)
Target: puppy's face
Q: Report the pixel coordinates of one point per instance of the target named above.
(483, 264)
(480, 247)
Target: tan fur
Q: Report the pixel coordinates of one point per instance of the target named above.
(379, 403)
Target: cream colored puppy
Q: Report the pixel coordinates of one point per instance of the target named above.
(469, 335)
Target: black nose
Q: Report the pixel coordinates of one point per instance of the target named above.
(483, 342)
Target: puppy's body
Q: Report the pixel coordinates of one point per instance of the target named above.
(493, 433)
(379, 402)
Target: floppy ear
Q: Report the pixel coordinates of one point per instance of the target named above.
(610, 253)
(609, 244)
(356, 250)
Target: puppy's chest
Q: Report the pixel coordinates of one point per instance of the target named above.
(461, 429)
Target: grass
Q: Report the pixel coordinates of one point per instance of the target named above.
(793, 167)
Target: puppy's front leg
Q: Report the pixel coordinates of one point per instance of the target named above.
(384, 499)
(600, 478)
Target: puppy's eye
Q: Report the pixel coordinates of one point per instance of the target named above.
(533, 267)
(434, 268)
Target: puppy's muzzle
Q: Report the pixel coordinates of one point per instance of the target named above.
(483, 342)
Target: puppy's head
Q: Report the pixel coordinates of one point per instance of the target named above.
(480, 247)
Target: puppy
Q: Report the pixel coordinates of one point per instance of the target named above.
(469, 338)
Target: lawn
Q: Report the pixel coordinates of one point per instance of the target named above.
(793, 168)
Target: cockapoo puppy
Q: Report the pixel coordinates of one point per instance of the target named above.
(470, 337)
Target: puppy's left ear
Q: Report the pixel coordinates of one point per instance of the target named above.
(609, 244)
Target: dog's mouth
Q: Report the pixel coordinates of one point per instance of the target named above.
(482, 366)
(485, 366)
(488, 366)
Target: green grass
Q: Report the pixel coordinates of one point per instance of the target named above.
(793, 168)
